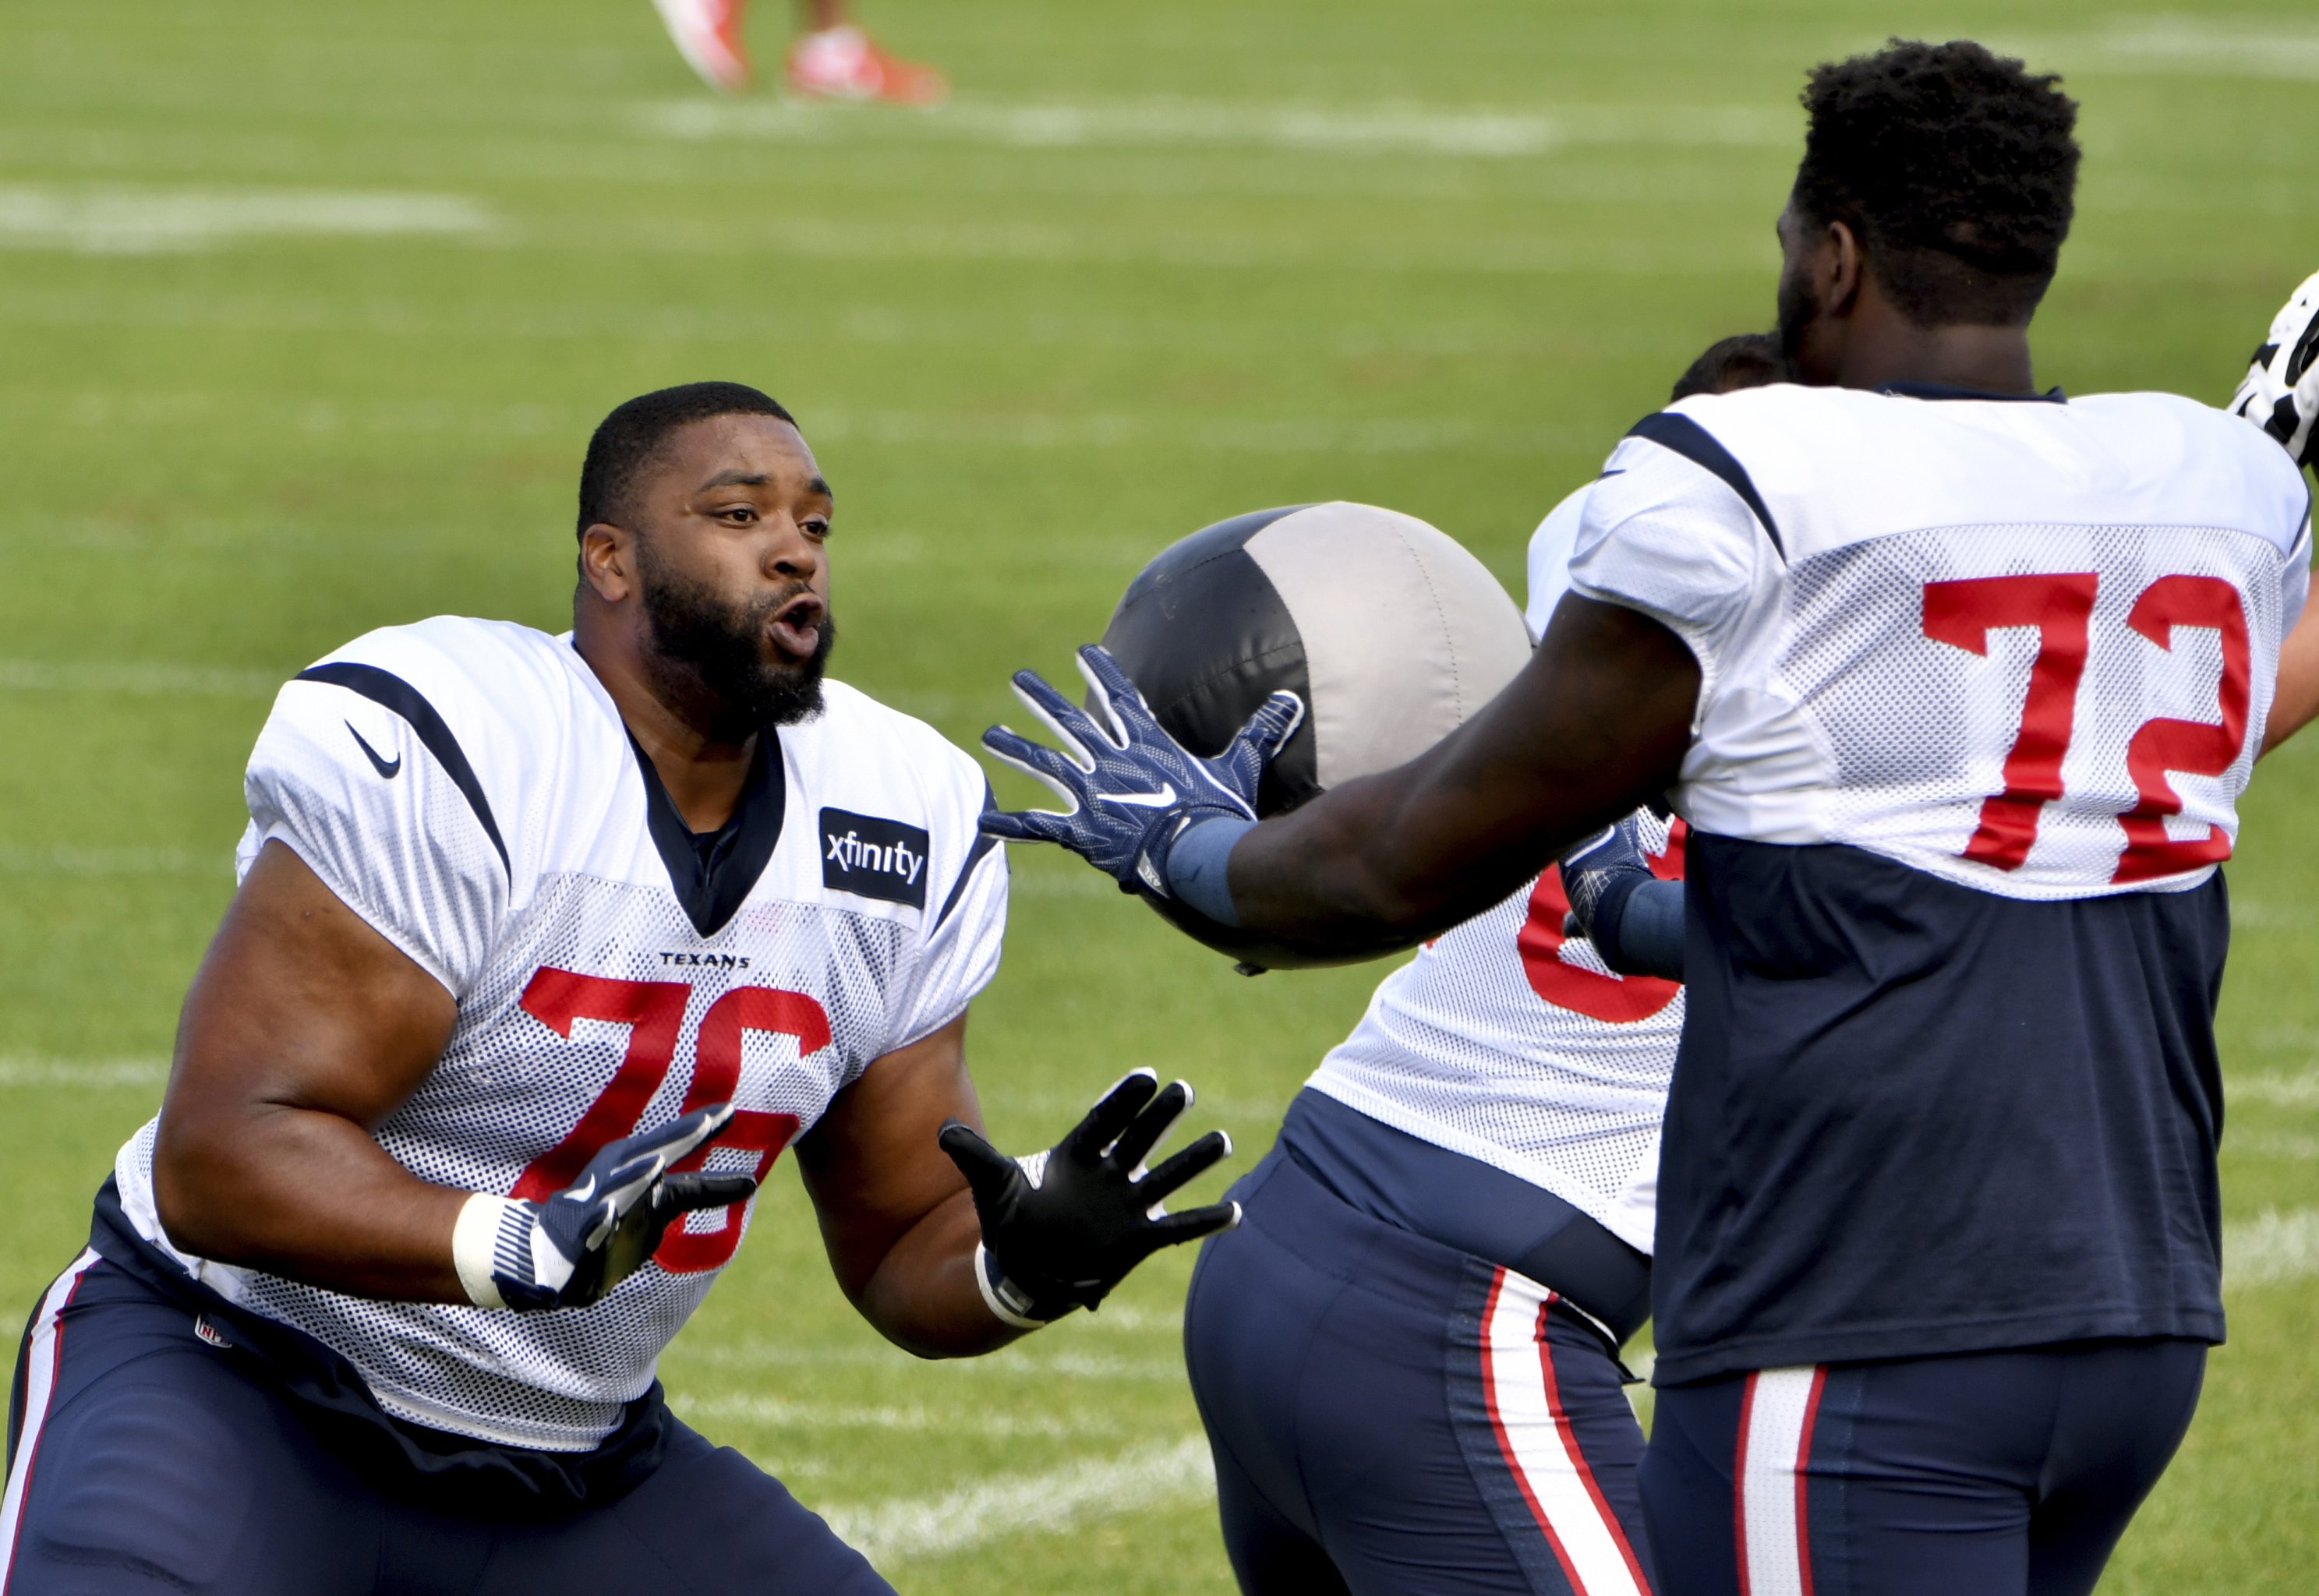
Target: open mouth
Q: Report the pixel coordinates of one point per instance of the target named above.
(796, 626)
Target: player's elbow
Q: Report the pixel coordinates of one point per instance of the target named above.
(201, 1185)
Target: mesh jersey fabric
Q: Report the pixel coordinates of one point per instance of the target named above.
(1941, 627)
(508, 854)
(1506, 1043)
(1947, 1080)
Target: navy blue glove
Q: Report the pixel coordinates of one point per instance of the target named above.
(1133, 789)
(572, 1249)
(1599, 876)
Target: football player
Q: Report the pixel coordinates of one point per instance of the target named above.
(1455, 1221)
(831, 59)
(1956, 682)
(544, 948)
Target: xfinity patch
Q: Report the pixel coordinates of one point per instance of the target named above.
(873, 858)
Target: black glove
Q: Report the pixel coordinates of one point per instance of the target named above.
(1061, 1228)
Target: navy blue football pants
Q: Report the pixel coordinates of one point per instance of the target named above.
(150, 1462)
(1991, 1473)
(1391, 1416)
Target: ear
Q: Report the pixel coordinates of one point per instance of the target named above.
(1840, 268)
(608, 560)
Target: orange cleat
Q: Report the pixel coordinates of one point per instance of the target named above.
(843, 63)
(707, 34)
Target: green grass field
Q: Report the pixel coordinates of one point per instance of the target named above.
(305, 312)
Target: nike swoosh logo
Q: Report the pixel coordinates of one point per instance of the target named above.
(388, 770)
(1143, 800)
(583, 1191)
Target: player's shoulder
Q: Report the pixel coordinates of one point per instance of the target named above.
(453, 663)
(1547, 564)
(504, 712)
(2214, 458)
(858, 750)
(1826, 466)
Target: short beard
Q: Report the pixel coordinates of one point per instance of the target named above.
(1798, 310)
(707, 658)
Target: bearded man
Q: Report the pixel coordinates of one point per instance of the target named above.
(544, 948)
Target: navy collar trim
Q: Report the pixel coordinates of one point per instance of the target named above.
(712, 872)
(1952, 391)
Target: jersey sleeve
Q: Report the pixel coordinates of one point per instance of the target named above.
(1669, 537)
(965, 922)
(2295, 576)
(1548, 566)
(353, 788)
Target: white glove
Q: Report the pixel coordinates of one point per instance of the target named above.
(2281, 393)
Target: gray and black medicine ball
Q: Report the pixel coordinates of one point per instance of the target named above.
(1391, 632)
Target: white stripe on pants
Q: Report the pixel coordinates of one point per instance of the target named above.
(1535, 1435)
(47, 1348)
(1776, 1410)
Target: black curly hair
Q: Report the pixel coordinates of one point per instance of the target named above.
(1955, 167)
(1743, 360)
(627, 438)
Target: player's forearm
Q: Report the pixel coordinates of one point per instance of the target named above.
(922, 1295)
(307, 1196)
(1595, 725)
(2295, 700)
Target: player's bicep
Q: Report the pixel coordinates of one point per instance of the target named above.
(2295, 700)
(873, 1165)
(300, 1002)
(1593, 727)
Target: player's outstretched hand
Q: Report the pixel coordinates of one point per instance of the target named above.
(574, 1247)
(2281, 393)
(1133, 789)
(1061, 1228)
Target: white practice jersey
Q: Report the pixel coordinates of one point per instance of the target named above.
(469, 789)
(1506, 1043)
(2027, 647)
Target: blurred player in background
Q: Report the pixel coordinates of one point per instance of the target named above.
(1958, 683)
(1456, 1224)
(544, 948)
(831, 59)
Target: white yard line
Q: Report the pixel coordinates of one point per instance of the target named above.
(1251, 435)
(1013, 1364)
(2273, 1144)
(61, 859)
(777, 1413)
(1164, 1475)
(136, 676)
(1175, 124)
(2204, 47)
(20, 1071)
(2273, 1247)
(111, 220)
(2279, 1089)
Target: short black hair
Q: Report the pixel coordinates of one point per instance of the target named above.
(625, 440)
(1743, 360)
(1956, 168)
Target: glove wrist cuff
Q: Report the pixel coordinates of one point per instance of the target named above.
(475, 1240)
(1195, 863)
(1008, 1301)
